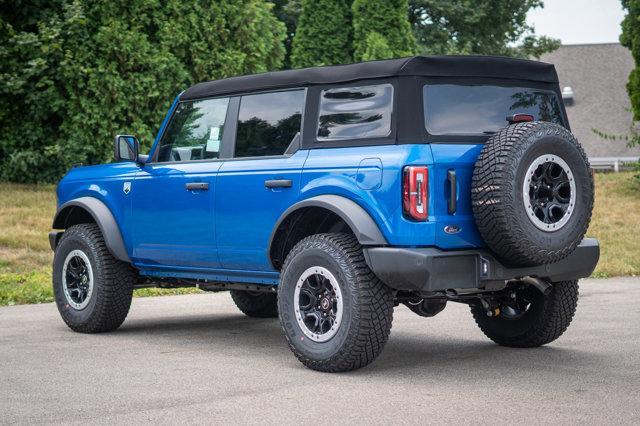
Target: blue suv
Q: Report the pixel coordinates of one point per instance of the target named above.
(328, 196)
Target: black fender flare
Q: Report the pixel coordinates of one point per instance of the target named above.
(103, 218)
(361, 223)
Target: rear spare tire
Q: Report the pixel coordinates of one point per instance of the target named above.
(532, 193)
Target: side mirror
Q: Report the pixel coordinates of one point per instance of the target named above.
(126, 148)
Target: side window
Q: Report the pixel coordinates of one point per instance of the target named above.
(195, 131)
(355, 112)
(268, 123)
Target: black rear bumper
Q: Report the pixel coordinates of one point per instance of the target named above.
(431, 269)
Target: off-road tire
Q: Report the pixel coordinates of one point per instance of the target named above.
(368, 304)
(112, 287)
(497, 194)
(258, 305)
(548, 317)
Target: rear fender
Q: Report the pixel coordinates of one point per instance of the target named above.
(359, 221)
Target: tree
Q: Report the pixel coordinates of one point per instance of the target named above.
(89, 69)
(288, 11)
(630, 38)
(323, 34)
(387, 18)
(377, 47)
(485, 27)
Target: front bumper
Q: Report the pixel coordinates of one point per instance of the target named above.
(431, 269)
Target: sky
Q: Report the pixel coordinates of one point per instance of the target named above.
(579, 21)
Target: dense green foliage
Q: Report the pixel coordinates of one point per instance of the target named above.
(73, 73)
(376, 47)
(387, 18)
(323, 34)
(84, 70)
(484, 27)
(630, 38)
(287, 11)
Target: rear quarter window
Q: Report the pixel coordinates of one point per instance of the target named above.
(357, 112)
(466, 109)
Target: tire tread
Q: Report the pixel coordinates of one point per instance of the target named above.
(116, 277)
(494, 175)
(372, 316)
(558, 311)
(264, 305)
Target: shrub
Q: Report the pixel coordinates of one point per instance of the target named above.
(87, 70)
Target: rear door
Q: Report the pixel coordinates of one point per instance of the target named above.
(261, 180)
(459, 117)
(173, 196)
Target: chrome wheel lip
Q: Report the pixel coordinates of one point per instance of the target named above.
(65, 285)
(555, 226)
(320, 338)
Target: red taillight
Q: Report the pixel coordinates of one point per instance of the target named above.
(520, 118)
(415, 181)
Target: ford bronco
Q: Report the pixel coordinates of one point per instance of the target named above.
(328, 196)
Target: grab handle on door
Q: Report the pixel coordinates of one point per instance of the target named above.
(278, 183)
(452, 205)
(197, 186)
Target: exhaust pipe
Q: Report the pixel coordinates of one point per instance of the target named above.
(543, 286)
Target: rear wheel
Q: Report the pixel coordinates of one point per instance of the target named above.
(335, 313)
(526, 318)
(256, 304)
(93, 290)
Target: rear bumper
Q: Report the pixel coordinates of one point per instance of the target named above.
(431, 269)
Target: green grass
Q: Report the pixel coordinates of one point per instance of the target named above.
(616, 223)
(26, 213)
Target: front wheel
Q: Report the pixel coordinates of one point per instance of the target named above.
(526, 318)
(335, 313)
(93, 290)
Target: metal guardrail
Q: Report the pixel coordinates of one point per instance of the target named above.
(614, 164)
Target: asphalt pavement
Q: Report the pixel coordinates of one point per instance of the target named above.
(196, 359)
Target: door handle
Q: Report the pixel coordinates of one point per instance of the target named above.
(452, 205)
(278, 183)
(197, 186)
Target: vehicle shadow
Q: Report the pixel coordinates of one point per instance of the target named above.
(406, 354)
(214, 330)
(481, 358)
(204, 325)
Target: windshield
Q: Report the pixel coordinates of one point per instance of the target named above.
(460, 109)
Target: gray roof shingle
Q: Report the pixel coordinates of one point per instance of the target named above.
(598, 75)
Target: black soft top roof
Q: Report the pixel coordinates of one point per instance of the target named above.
(428, 66)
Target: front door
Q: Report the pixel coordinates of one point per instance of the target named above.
(173, 216)
(262, 179)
